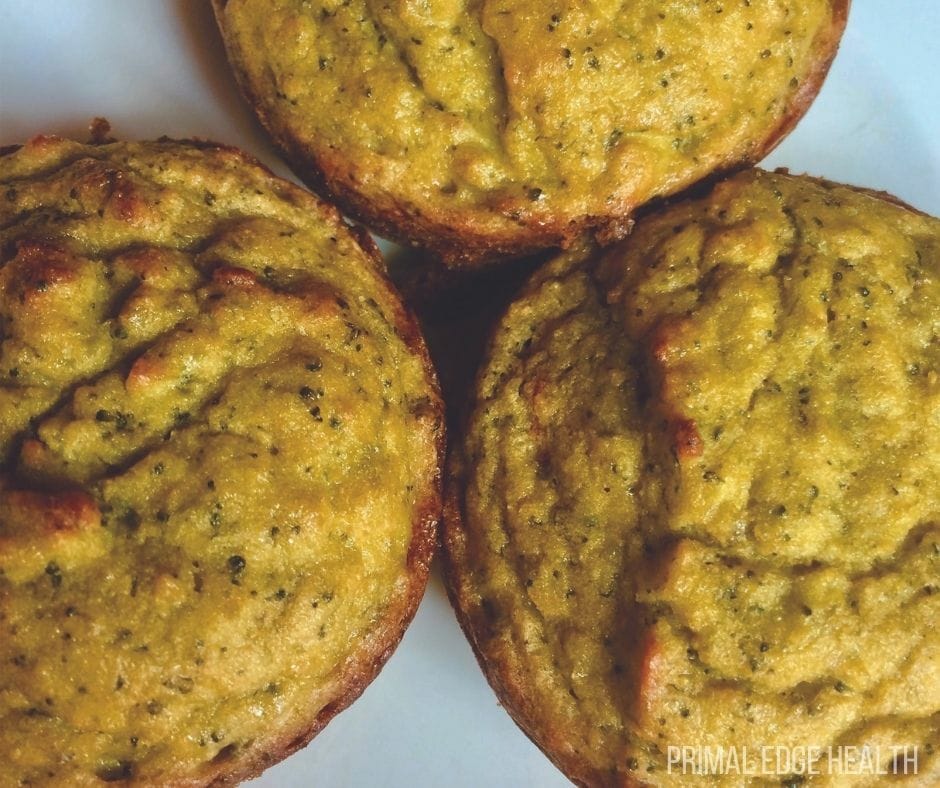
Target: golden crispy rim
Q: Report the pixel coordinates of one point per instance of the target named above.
(457, 239)
(502, 670)
(364, 664)
(504, 674)
(507, 678)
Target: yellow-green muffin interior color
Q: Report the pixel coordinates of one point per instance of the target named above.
(701, 500)
(218, 433)
(502, 122)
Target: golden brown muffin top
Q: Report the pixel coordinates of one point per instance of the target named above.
(219, 464)
(511, 124)
(702, 486)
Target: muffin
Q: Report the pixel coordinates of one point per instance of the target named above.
(219, 489)
(698, 500)
(480, 130)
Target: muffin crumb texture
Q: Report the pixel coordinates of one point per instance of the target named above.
(513, 125)
(218, 464)
(702, 486)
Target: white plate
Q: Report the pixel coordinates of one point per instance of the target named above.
(156, 67)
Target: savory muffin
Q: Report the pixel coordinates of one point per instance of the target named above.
(220, 440)
(507, 126)
(698, 501)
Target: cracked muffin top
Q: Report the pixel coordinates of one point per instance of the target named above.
(506, 126)
(219, 436)
(698, 501)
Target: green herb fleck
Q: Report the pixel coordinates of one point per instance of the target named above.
(54, 574)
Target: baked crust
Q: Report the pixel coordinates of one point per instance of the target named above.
(505, 675)
(640, 302)
(467, 226)
(64, 516)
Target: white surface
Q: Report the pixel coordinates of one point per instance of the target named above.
(156, 67)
